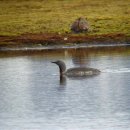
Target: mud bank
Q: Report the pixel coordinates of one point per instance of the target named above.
(43, 40)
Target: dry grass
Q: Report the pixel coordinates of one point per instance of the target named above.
(56, 16)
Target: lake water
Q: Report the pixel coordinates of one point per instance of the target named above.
(32, 97)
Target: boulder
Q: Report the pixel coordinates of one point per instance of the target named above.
(80, 25)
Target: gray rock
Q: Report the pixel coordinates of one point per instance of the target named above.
(80, 25)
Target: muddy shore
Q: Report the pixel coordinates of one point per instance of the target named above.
(60, 39)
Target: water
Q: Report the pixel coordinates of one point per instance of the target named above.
(32, 97)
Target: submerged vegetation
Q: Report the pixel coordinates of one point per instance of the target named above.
(56, 16)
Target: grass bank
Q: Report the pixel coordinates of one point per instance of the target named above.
(56, 16)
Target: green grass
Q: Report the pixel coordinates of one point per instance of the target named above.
(56, 16)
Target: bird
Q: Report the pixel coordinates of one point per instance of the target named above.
(80, 25)
(75, 72)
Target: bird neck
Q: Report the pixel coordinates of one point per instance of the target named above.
(62, 67)
(62, 70)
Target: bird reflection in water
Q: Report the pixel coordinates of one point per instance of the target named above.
(62, 80)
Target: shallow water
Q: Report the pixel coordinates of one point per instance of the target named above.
(32, 97)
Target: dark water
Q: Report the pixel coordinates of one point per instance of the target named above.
(33, 98)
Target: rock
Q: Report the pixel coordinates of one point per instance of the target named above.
(65, 38)
(80, 25)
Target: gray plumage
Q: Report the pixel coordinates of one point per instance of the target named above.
(75, 72)
(80, 25)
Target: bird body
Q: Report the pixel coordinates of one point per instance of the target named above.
(80, 25)
(81, 72)
(76, 72)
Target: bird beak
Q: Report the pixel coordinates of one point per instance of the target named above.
(53, 62)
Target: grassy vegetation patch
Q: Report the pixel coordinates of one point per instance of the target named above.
(56, 16)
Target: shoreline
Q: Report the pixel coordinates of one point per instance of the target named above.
(61, 47)
(61, 40)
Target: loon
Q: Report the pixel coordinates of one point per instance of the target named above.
(75, 72)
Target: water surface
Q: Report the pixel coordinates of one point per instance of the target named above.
(32, 97)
